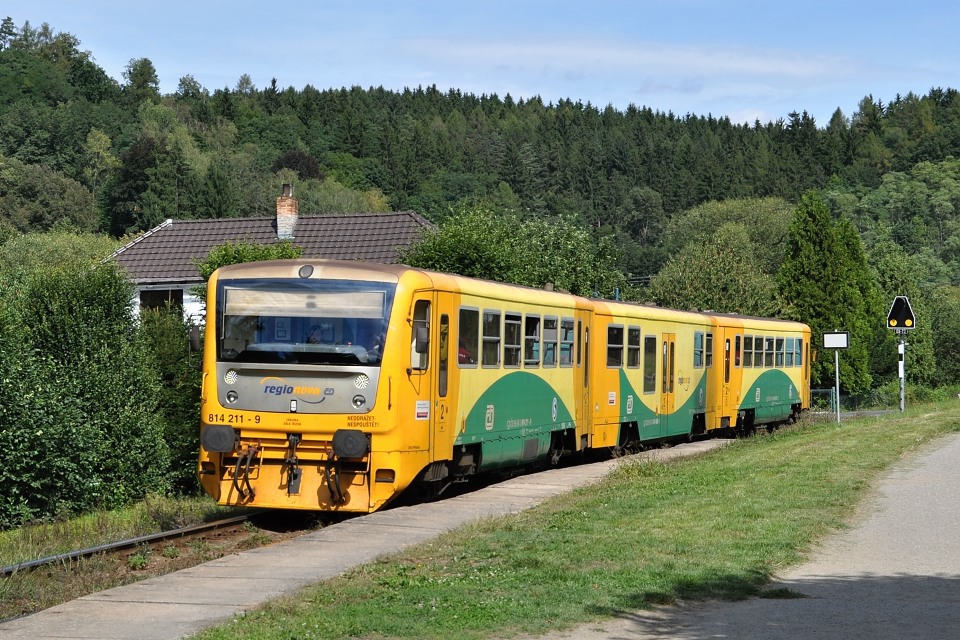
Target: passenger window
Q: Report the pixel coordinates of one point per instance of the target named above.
(708, 356)
(469, 337)
(633, 347)
(614, 346)
(798, 353)
(747, 351)
(779, 352)
(790, 347)
(511, 340)
(736, 352)
(698, 350)
(768, 352)
(531, 341)
(566, 342)
(550, 342)
(491, 339)
(650, 364)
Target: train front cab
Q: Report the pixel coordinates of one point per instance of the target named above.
(341, 425)
(763, 372)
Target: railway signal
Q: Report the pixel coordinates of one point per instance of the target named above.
(901, 315)
(901, 319)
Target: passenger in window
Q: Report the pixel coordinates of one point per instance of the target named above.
(463, 354)
(320, 333)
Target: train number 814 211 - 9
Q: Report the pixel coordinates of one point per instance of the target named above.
(232, 418)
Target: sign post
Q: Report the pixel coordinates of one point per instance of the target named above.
(901, 319)
(836, 340)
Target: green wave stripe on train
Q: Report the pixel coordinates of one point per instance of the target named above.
(650, 423)
(771, 396)
(515, 410)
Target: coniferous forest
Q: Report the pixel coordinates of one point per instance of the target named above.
(823, 222)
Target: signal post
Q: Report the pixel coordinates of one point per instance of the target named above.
(901, 319)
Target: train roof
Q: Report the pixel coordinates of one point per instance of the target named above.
(358, 270)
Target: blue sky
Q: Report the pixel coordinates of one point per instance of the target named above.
(746, 59)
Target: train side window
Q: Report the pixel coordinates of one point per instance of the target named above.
(550, 335)
(649, 364)
(736, 351)
(779, 352)
(789, 352)
(798, 353)
(747, 351)
(469, 337)
(420, 340)
(531, 341)
(511, 340)
(491, 339)
(708, 356)
(758, 351)
(566, 342)
(768, 352)
(579, 340)
(615, 345)
(698, 349)
(633, 347)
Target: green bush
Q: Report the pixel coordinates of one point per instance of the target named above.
(167, 337)
(79, 421)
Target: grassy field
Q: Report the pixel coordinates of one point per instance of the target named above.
(714, 527)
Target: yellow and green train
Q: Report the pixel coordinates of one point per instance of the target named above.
(339, 385)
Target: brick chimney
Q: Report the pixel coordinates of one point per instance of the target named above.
(287, 209)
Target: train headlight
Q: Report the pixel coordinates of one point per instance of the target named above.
(232, 397)
(359, 401)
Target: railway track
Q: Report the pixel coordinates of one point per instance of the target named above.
(124, 544)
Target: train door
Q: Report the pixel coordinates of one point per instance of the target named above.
(418, 403)
(668, 378)
(732, 369)
(445, 387)
(585, 415)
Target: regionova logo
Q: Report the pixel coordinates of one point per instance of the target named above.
(276, 386)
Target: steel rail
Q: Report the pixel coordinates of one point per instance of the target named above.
(29, 565)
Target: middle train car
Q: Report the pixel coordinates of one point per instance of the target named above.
(460, 376)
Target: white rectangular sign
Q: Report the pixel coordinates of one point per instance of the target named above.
(836, 340)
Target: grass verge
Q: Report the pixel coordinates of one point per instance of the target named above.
(650, 533)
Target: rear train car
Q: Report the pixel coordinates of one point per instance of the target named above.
(763, 372)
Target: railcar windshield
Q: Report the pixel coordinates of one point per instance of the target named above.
(332, 322)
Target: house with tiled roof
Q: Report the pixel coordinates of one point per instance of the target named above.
(162, 261)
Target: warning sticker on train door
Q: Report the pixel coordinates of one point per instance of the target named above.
(423, 409)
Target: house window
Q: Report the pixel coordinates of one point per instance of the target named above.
(160, 298)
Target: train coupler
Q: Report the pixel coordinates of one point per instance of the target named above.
(294, 472)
